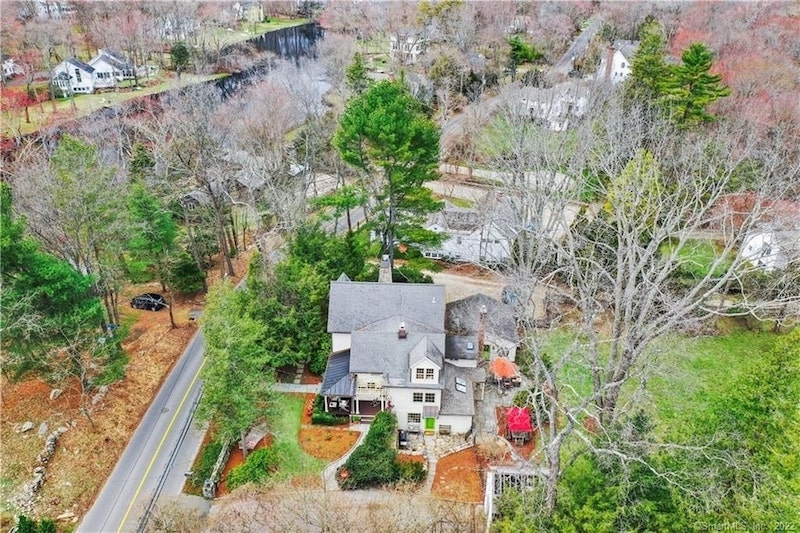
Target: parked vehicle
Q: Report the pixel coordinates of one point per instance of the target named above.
(150, 301)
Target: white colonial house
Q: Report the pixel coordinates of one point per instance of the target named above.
(389, 353)
(472, 236)
(615, 66)
(74, 76)
(407, 46)
(554, 107)
(110, 68)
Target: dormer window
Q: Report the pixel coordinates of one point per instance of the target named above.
(424, 374)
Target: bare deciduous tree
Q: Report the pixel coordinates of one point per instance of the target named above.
(611, 213)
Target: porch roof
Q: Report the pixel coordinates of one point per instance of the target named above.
(338, 381)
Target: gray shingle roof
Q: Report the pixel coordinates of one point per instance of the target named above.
(80, 64)
(425, 349)
(462, 318)
(338, 381)
(455, 402)
(353, 305)
(383, 353)
(626, 48)
(464, 347)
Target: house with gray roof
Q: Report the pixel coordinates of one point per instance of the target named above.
(389, 352)
(73, 76)
(615, 66)
(479, 326)
(110, 68)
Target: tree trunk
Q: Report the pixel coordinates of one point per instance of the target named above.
(553, 475)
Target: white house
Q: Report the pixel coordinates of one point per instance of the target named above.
(74, 76)
(407, 46)
(389, 347)
(555, 106)
(11, 69)
(616, 65)
(110, 68)
(472, 236)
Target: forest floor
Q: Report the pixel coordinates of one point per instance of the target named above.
(89, 450)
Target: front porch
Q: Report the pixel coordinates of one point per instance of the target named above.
(365, 409)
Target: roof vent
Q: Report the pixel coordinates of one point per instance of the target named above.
(470, 346)
(402, 333)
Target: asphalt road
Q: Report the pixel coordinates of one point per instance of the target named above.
(155, 451)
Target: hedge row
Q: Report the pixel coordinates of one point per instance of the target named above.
(374, 463)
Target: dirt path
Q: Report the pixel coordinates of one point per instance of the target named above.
(460, 284)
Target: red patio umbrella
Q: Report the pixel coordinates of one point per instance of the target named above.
(503, 368)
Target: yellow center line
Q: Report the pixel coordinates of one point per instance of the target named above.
(160, 444)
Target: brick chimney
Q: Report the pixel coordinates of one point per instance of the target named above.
(385, 272)
(402, 332)
(482, 329)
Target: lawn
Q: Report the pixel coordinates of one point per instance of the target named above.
(696, 371)
(696, 259)
(685, 375)
(286, 429)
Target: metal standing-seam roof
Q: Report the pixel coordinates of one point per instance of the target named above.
(338, 381)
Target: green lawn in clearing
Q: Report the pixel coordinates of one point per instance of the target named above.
(687, 376)
(697, 257)
(696, 372)
(285, 425)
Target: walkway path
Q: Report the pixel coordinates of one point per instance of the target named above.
(329, 473)
(430, 453)
(302, 389)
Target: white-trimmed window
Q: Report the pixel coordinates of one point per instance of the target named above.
(430, 397)
(417, 397)
(424, 374)
(414, 418)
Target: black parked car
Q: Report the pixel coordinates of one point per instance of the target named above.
(149, 300)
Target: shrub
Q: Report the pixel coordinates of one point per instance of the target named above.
(327, 419)
(370, 466)
(374, 463)
(258, 466)
(207, 461)
(411, 471)
(185, 277)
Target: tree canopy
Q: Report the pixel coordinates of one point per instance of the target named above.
(690, 89)
(47, 305)
(385, 134)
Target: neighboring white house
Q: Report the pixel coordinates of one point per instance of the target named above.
(74, 76)
(616, 65)
(389, 346)
(769, 248)
(557, 105)
(472, 236)
(407, 46)
(11, 69)
(110, 68)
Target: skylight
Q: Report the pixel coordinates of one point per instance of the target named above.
(461, 385)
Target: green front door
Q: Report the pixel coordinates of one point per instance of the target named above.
(430, 424)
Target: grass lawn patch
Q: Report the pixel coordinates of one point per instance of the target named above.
(285, 425)
(697, 258)
(697, 371)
